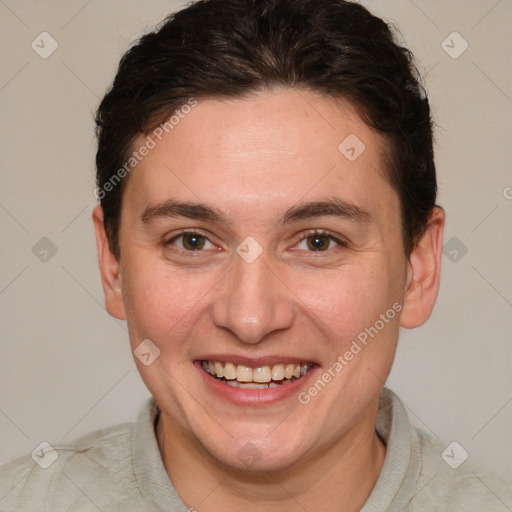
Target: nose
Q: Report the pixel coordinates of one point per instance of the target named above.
(253, 301)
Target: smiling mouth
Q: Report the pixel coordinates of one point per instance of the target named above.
(263, 377)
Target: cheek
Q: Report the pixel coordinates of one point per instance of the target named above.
(349, 300)
(160, 302)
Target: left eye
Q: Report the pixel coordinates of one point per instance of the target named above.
(190, 241)
(319, 242)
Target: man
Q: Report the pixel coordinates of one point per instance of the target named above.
(267, 224)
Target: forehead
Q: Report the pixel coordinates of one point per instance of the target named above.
(267, 150)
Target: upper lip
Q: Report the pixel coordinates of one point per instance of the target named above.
(254, 362)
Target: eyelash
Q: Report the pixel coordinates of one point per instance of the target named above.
(325, 233)
(307, 235)
(181, 234)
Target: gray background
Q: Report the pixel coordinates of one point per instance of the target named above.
(65, 365)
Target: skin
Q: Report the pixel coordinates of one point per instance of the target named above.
(252, 159)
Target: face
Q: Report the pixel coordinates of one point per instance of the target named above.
(253, 248)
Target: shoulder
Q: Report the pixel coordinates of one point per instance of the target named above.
(449, 478)
(87, 466)
(422, 474)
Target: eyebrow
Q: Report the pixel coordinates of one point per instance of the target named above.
(334, 207)
(174, 208)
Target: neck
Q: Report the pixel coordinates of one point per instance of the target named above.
(339, 476)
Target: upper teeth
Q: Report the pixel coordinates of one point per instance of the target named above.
(242, 373)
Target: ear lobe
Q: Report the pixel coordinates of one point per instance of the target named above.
(110, 269)
(424, 272)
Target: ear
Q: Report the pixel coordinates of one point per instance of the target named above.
(423, 273)
(110, 268)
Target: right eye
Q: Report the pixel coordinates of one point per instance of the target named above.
(190, 241)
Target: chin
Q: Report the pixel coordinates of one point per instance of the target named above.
(256, 449)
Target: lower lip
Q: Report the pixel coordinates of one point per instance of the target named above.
(255, 397)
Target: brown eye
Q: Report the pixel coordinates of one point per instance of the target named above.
(318, 242)
(193, 242)
(190, 241)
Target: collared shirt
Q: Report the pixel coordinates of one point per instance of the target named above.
(121, 469)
